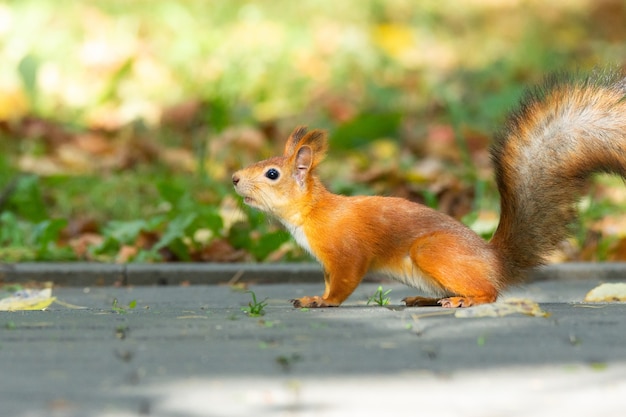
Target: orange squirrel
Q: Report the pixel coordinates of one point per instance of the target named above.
(561, 134)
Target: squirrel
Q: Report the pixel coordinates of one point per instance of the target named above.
(563, 131)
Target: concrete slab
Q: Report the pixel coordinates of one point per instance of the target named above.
(191, 351)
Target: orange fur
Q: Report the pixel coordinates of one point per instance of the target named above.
(559, 137)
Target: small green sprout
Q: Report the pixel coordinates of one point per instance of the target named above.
(254, 307)
(123, 310)
(379, 297)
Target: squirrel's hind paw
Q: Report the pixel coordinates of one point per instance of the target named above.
(449, 302)
(456, 302)
(421, 302)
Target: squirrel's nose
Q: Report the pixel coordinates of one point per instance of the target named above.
(235, 179)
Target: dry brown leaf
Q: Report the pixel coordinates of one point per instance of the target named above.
(73, 159)
(179, 158)
(126, 253)
(617, 251)
(456, 201)
(219, 250)
(181, 115)
(43, 166)
(81, 244)
(341, 110)
(441, 143)
(94, 144)
(611, 225)
(503, 308)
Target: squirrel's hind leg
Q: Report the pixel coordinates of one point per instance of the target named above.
(458, 268)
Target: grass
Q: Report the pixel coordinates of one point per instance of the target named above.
(117, 308)
(379, 297)
(128, 140)
(254, 308)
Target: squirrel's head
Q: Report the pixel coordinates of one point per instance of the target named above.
(277, 185)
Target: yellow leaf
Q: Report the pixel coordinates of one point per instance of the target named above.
(606, 293)
(13, 105)
(28, 300)
(394, 39)
(504, 308)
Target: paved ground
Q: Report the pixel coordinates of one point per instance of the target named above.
(191, 351)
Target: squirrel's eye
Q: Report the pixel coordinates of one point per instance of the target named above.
(272, 174)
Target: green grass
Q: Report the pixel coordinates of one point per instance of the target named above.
(379, 297)
(254, 308)
(370, 72)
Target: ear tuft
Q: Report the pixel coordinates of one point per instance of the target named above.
(317, 141)
(305, 150)
(294, 139)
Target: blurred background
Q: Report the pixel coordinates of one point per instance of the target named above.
(121, 122)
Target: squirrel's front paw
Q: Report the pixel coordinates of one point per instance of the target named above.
(311, 302)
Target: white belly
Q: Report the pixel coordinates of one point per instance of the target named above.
(410, 274)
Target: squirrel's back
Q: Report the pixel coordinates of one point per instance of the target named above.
(562, 133)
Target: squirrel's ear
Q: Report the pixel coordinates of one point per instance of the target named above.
(309, 152)
(294, 139)
(303, 163)
(316, 140)
(305, 150)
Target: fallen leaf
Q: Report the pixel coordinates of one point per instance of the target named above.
(28, 300)
(219, 250)
(607, 293)
(611, 225)
(81, 244)
(74, 159)
(94, 144)
(503, 308)
(126, 253)
(183, 115)
(394, 39)
(13, 104)
(180, 158)
(617, 251)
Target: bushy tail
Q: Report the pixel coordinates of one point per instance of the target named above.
(561, 134)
